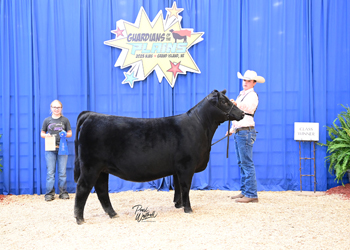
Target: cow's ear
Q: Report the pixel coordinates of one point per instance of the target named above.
(215, 93)
(223, 92)
(214, 96)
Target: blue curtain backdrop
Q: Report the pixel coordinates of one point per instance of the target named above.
(54, 50)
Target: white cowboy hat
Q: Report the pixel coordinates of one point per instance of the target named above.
(251, 75)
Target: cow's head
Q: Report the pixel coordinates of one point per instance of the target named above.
(229, 111)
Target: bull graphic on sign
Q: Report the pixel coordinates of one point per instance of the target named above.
(181, 34)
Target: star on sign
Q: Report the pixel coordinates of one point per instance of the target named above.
(174, 11)
(129, 78)
(118, 32)
(175, 68)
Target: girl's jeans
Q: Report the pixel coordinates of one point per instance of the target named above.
(51, 157)
(244, 141)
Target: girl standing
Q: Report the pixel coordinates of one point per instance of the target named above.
(52, 126)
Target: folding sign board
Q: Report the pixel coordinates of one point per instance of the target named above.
(306, 131)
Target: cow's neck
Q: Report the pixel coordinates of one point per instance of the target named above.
(204, 116)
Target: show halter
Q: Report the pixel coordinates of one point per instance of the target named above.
(63, 149)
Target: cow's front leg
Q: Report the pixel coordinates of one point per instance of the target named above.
(185, 180)
(177, 193)
(101, 188)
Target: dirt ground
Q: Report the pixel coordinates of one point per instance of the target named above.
(281, 220)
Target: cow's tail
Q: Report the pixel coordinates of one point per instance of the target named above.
(80, 120)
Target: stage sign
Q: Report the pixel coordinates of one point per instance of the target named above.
(306, 131)
(160, 46)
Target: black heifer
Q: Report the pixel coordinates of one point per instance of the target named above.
(143, 150)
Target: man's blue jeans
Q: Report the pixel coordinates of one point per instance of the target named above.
(51, 157)
(244, 141)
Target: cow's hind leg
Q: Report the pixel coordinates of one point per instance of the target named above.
(177, 193)
(101, 188)
(84, 186)
(81, 195)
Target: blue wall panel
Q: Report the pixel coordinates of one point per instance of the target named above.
(54, 50)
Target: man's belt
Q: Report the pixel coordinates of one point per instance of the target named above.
(244, 128)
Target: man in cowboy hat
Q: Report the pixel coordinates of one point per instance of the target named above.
(245, 135)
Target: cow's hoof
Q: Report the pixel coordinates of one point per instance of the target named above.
(80, 221)
(178, 205)
(188, 210)
(114, 215)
